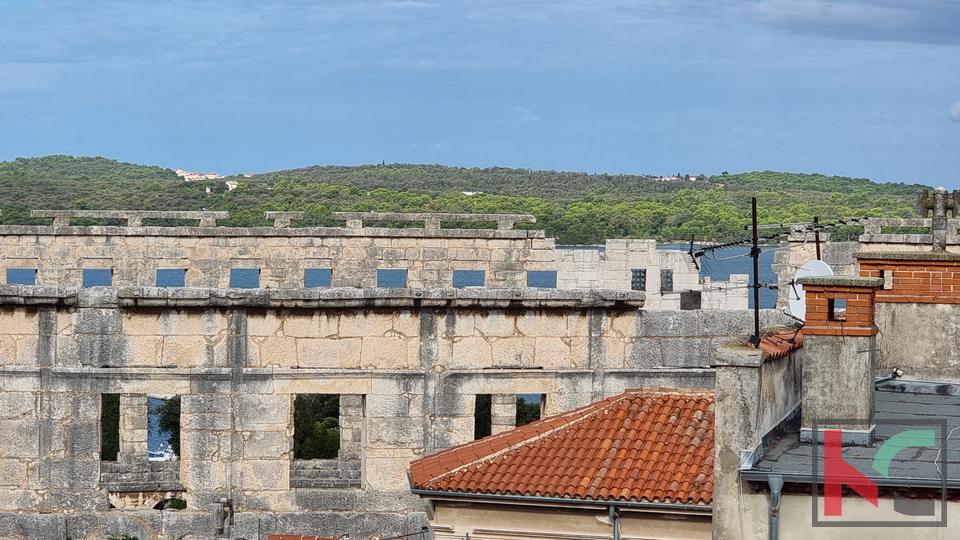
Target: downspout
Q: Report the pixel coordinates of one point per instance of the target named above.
(776, 484)
(615, 518)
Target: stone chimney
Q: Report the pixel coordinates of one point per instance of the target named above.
(838, 365)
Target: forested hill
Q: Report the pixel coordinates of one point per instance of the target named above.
(437, 179)
(575, 208)
(60, 167)
(814, 182)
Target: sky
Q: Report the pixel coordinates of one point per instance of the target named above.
(867, 88)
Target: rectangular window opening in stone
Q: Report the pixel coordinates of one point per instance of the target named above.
(482, 416)
(543, 279)
(837, 309)
(245, 278)
(391, 278)
(109, 426)
(317, 277)
(638, 279)
(146, 471)
(97, 277)
(529, 408)
(496, 413)
(666, 280)
(316, 426)
(21, 276)
(171, 277)
(327, 441)
(163, 427)
(468, 278)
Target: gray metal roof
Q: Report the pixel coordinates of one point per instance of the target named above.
(900, 406)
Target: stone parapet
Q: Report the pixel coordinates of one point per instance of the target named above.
(432, 221)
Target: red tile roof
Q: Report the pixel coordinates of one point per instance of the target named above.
(776, 346)
(649, 445)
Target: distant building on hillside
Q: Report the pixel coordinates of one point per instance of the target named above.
(193, 177)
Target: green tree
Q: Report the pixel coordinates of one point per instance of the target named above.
(316, 426)
(527, 411)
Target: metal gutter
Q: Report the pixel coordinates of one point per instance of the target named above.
(530, 499)
(753, 475)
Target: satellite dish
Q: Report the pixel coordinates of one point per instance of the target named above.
(798, 301)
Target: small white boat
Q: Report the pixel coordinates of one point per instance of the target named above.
(164, 454)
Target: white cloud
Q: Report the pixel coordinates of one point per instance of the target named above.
(525, 115)
(955, 111)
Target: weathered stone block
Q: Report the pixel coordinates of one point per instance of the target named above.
(181, 523)
(208, 403)
(265, 475)
(265, 323)
(82, 439)
(513, 352)
(82, 525)
(15, 405)
(395, 432)
(387, 406)
(13, 473)
(267, 445)
(333, 353)
(74, 473)
(387, 352)
(97, 321)
(670, 323)
(319, 324)
(77, 501)
(144, 351)
(364, 324)
(20, 500)
(322, 500)
(218, 422)
(204, 445)
(204, 475)
(645, 353)
(273, 501)
(275, 351)
(43, 526)
(471, 352)
(254, 411)
(187, 351)
(19, 438)
(136, 523)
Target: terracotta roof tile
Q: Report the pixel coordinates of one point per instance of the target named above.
(649, 445)
(776, 346)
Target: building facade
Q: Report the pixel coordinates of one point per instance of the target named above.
(405, 326)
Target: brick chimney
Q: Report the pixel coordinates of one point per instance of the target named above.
(838, 365)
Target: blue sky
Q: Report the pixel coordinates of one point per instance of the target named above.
(865, 88)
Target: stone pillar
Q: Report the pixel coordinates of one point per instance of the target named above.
(736, 436)
(133, 428)
(503, 413)
(839, 345)
(351, 430)
(205, 446)
(265, 428)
